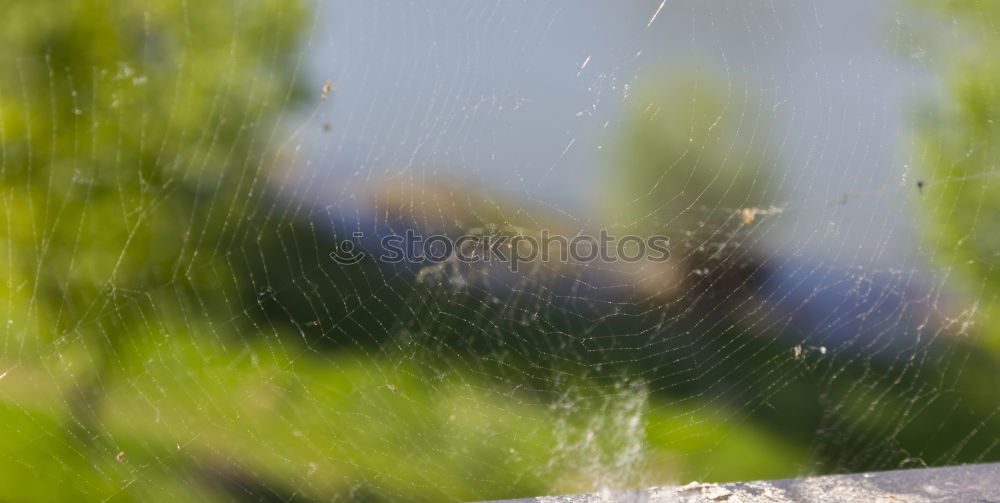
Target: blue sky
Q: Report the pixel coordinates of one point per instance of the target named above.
(527, 99)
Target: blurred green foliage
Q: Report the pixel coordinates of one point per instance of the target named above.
(959, 145)
(128, 130)
(693, 154)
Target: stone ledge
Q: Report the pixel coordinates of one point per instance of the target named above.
(965, 483)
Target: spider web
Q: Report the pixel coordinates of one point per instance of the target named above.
(176, 177)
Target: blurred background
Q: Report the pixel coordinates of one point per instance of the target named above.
(174, 177)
